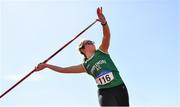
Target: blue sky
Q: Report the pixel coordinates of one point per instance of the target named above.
(144, 46)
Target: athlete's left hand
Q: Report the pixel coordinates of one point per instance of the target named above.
(40, 67)
(101, 17)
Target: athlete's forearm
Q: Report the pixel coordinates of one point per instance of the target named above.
(71, 69)
(106, 31)
(55, 68)
(106, 38)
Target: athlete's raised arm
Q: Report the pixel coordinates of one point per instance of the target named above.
(106, 32)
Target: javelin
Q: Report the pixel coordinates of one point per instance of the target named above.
(45, 61)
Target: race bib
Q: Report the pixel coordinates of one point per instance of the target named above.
(104, 77)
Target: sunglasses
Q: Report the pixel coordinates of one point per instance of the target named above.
(86, 43)
(89, 43)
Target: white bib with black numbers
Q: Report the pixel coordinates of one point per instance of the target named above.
(104, 77)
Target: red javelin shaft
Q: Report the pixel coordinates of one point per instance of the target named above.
(45, 61)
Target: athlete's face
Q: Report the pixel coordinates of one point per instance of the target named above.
(88, 47)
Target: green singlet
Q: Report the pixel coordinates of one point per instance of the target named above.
(102, 68)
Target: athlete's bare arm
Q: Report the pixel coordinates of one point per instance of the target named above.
(70, 69)
(106, 39)
(106, 32)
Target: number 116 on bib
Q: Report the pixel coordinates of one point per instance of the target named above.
(104, 79)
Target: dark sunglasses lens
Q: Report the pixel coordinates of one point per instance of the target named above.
(90, 42)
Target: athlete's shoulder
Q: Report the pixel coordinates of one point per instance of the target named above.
(100, 51)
